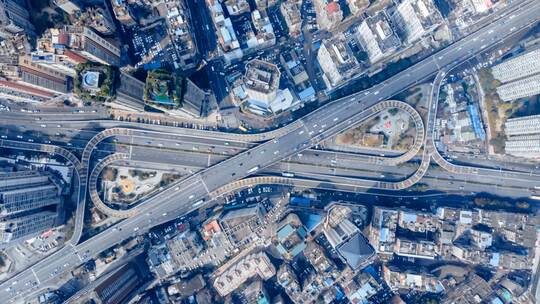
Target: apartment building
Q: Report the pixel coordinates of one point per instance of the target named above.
(377, 37)
(526, 87)
(28, 204)
(14, 18)
(416, 19)
(519, 67)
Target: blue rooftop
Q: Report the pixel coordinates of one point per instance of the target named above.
(306, 93)
(284, 232)
(300, 201)
(496, 300)
(310, 220)
(495, 260)
(409, 217)
(477, 124)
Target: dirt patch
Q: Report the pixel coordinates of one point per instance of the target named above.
(127, 186)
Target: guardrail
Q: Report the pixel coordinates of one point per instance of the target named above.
(94, 195)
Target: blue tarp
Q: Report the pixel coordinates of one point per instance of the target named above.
(477, 124)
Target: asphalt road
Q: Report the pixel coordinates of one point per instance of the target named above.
(77, 134)
(319, 125)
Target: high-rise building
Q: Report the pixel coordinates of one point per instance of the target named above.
(357, 7)
(14, 18)
(72, 45)
(290, 10)
(225, 32)
(28, 80)
(255, 293)
(264, 4)
(69, 6)
(523, 136)
(97, 18)
(519, 67)
(42, 76)
(231, 275)
(526, 125)
(523, 146)
(417, 18)
(337, 60)
(28, 201)
(52, 50)
(130, 93)
(526, 87)
(263, 31)
(260, 92)
(481, 6)
(87, 43)
(27, 225)
(377, 37)
(261, 80)
(180, 29)
(329, 13)
(122, 13)
(195, 101)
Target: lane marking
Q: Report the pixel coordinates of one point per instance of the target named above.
(35, 275)
(204, 184)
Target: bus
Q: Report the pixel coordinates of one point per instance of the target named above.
(198, 203)
(253, 169)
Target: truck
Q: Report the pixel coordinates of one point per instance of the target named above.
(287, 174)
(253, 169)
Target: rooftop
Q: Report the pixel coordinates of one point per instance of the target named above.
(356, 251)
(261, 76)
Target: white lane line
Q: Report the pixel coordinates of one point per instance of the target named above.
(80, 258)
(35, 275)
(131, 146)
(436, 63)
(209, 156)
(204, 184)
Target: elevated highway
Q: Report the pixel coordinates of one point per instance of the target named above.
(184, 196)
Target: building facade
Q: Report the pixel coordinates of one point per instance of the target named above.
(27, 201)
(416, 19)
(14, 18)
(519, 67)
(526, 87)
(377, 37)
